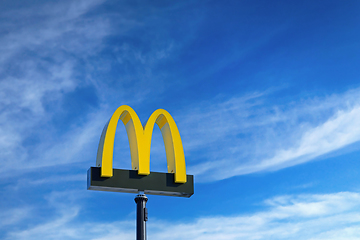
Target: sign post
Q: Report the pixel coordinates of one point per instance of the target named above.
(141, 216)
(140, 180)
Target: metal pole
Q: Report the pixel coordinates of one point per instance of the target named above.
(141, 216)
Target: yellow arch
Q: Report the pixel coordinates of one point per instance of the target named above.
(140, 142)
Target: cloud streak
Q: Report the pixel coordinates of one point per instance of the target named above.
(40, 58)
(50, 52)
(307, 216)
(245, 135)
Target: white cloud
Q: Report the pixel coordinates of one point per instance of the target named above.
(39, 57)
(305, 217)
(45, 26)
(36, 53)
(50, 50)
(339, 131)
(14, 216)
(76, 145)
(288, 217)
(246, 135)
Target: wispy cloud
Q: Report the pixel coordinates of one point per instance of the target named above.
(288, 217)
(283, 217)
(14, 216)
(39, 68)
(50, 51)
(339, 131)
(63, 214)
(246, 134)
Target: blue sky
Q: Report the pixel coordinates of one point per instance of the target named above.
(266, 96)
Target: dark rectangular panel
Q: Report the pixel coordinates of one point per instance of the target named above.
(129, 181)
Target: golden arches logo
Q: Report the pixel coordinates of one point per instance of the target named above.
(140, 142)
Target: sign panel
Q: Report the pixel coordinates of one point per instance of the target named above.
(175, 183)
(129, 181)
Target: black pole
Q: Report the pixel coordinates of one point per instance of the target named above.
(141, 216)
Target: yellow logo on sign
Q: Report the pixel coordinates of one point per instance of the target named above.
(140, 142)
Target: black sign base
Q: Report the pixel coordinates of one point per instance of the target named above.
(129, 181)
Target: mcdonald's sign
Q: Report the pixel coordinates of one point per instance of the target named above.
(174, 183)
